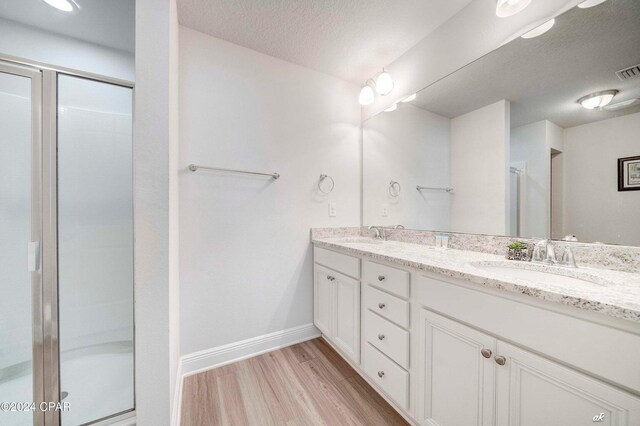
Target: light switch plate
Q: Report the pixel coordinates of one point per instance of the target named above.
(332, 209)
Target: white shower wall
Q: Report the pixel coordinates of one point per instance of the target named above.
(245, 253)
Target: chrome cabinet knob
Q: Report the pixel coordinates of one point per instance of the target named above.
(380, 277)
(500, 360)
(380, 336)
(381, 305)
(486, 353)
(381, 374)
(330, 278)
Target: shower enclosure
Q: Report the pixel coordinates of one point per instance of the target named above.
(66, 247)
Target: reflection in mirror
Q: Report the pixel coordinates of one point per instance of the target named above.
(523, 137)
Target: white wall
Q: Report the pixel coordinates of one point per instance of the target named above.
(246, 259)
(479, 170)
(532, 145)
(594, 209)
(156, 286)
(411, 146)
(468, 35)
(26, 42)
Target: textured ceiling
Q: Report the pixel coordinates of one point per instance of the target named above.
(350, 39)
(543, 77)
(108, 23)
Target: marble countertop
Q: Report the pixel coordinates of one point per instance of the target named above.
(609, 292)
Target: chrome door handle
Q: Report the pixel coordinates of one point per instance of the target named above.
(500, 360)
(486, 353)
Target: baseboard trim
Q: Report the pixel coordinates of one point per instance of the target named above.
(232, 352)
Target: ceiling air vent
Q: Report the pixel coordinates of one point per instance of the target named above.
(629, 73)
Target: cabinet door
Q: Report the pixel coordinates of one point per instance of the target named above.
(456, 381)
(323, 300)
(534, 391)
(347, 303)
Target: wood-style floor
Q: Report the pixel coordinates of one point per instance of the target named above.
(304, 384)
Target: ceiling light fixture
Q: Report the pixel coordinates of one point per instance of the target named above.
(63, 5)
(366, 95)
(391, 108)
(539, 30)
(597, 99)
(410, 98)
(590, 3)
(622, 105)
(506, 8)
(384, 83)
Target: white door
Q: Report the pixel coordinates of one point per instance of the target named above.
(347, 303)
(534, 391)
(323, 300)
(456, 373)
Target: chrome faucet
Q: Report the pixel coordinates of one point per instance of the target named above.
(544, 252)
(380, 234)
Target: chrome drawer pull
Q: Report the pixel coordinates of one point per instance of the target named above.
(380, 277)
(381, 305)
(380, 336)
(381, 374)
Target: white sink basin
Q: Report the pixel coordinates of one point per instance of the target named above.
(542, 274)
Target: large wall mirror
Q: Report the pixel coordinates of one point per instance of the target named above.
(509, 145)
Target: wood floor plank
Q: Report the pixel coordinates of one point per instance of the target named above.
(304, 384)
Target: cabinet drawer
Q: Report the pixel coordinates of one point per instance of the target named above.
(348, 265)
(388, 338)
(390, 307)
(393, 280)
(391, 379)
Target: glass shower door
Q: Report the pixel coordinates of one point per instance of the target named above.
(20, 278)
(95, 248)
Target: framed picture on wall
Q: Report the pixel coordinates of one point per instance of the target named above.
(629, 174)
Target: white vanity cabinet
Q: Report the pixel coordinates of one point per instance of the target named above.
(337, 300)
(447, 352)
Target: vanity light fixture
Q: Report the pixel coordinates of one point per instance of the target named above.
(366, 95)
(63, 5)
(539, 30)
(590, 3)
(384, 83)
(391, 108)
(597, 99)
(410, 98)
(506, 8)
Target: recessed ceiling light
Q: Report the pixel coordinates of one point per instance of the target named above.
(597, 99)
(410, 98)
(366, 95)
(384, 83)
(590, 3)
(506, 8)
(622, 105)
(539, 30)
(64, 5)
(391, 108)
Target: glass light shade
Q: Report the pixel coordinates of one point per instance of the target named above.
(598, 99)
(622, 105)
(539, 30)
(506, 8)
(366, 96)
(63, 5)
(391, 108)
(384, 83)
(590, 3)
(410, 98)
